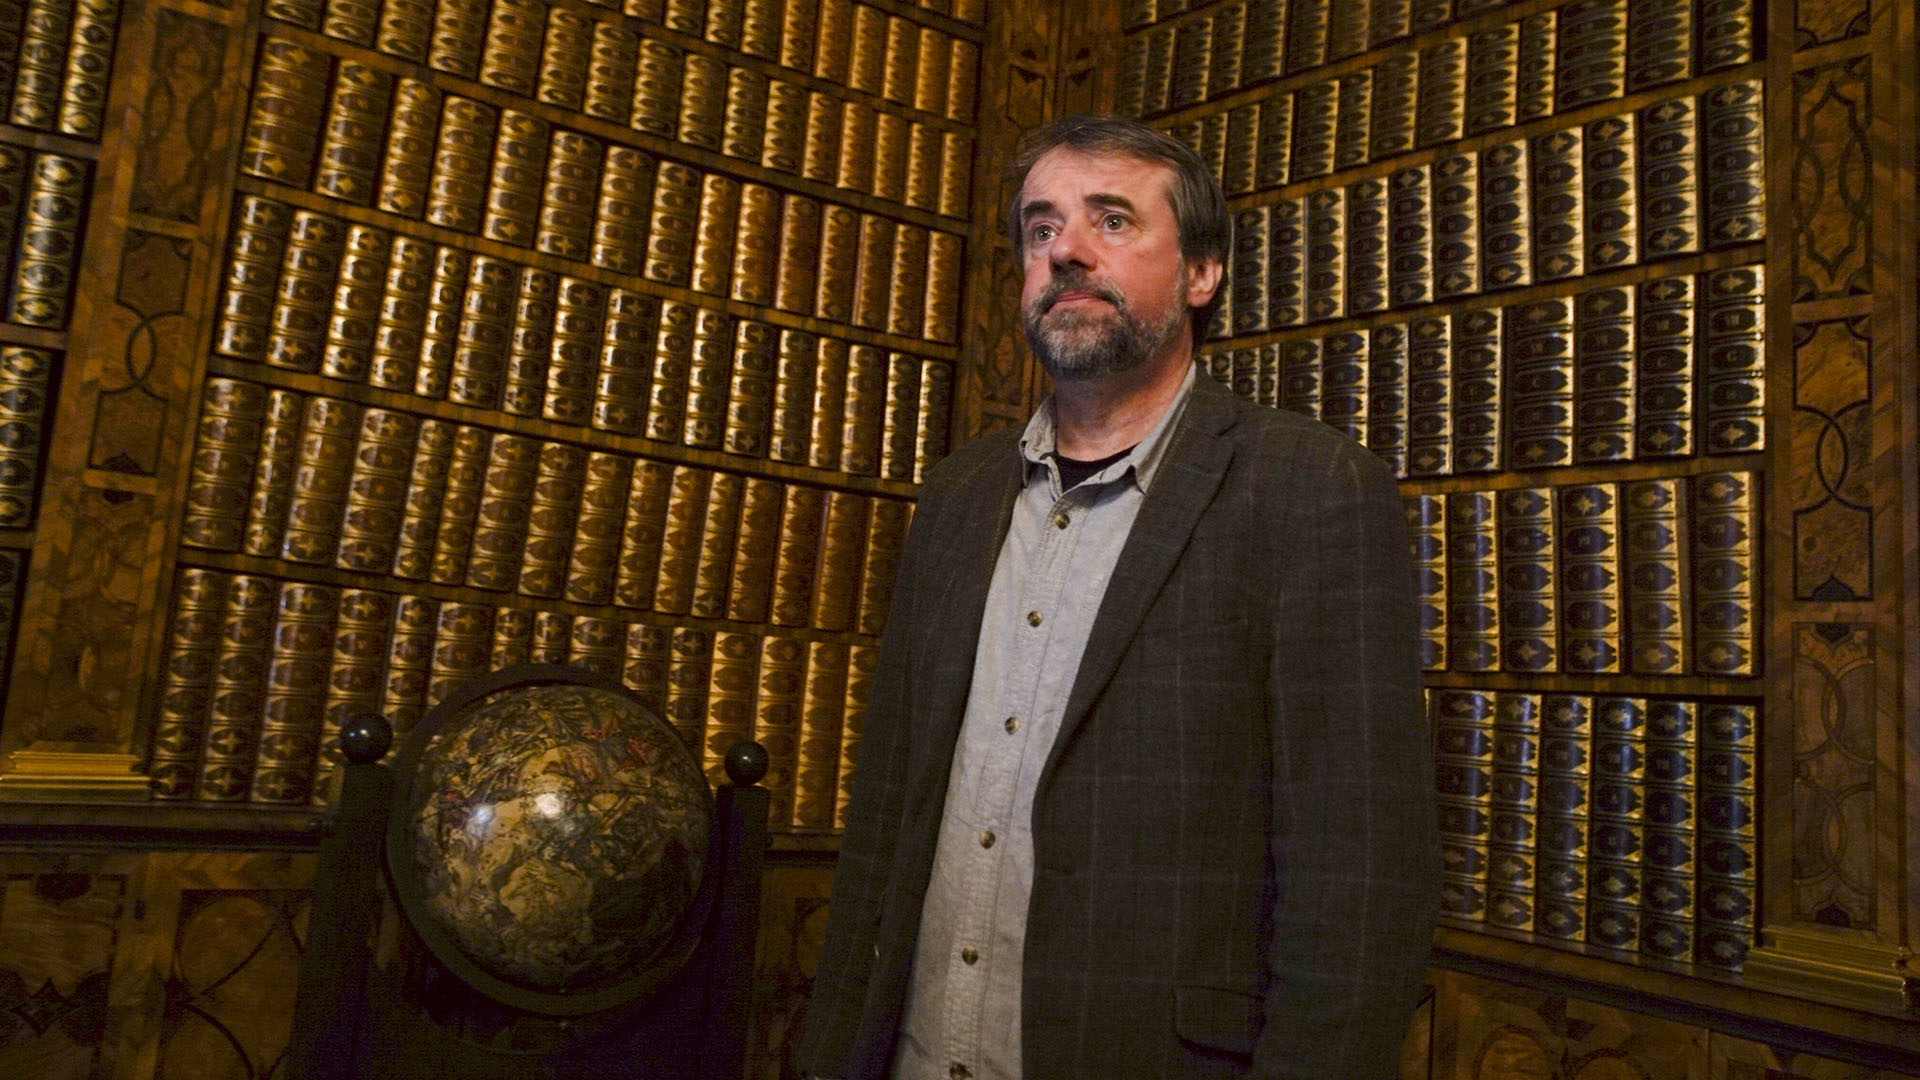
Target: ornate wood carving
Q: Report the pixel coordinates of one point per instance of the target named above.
(1834, 775)
(1832, 186)
(1829, 488)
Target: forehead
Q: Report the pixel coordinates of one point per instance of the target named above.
(1064, 176)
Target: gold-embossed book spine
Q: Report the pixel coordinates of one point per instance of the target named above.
(440, 335)
(593, 555)
(707, 376)
(1300, 377)
(322, 471)
(1733, 360)
(519, 167)
(1440, 116)
(750, 580)
(462, 160)
(1540, 350)
(273, 474)
(1669, 178)
(863, 415)
(560, 477)
(1287, 273)
(1657, 619)
(1535, 67)
(565, 59)
(1733, 184)
(1728, 29)
(1591, 61)
(220, 477)
(1723, 561)
(796, 561)
(643, 534)
(403, 690)
(1427, 530)
(826, 427)
(506, 505)
(1386, 359)
(406, 169)
(486, 320)
(462, 645)
(822, 708)
(861, 662)
(1660, 43)
(1473, 582)
(1665, 341)
(1327, 254)
(1307, 34)
(355, 320)
(349, 147)
(750, 389)
(1248, 277)
(578, 322)
(377, 491)
(460, 505)
(1558, 234)
(523, 385)
(283, 124)
(238, 690)
(777, 707)
(623, 375)
(303, 296)
(1492, 90)
(1410, 236)
(294, 703)
(837, 579)
(1529, 575)
(1590, 581)
(1316, 118)
(1464, 748)
(1343, 384)
(194, 639)
(355, 668)
(1457, 226)
(427, 475)
(1352, 133)
(793, 388)
(1396, 95)
(730, 699)
(1603, 375)
(1430, 396)
(1613, 205)
(886, 536)
(686, 516)
(259, 244)
(713, 570)
(510, 56)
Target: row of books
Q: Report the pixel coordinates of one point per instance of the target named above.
(324, 482)
(352, 131)
(26, 375)
(591, 62)
(42, 196)
(1350, 30)
(1649, 577)
(55, 58)
(308, 292)
(1556, 60)
(260, 673)
(1627, 823)
(1672, 367)
(1675, 178)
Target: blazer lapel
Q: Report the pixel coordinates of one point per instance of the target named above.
(1182, 488)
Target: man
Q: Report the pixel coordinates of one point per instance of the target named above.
(1144, 790)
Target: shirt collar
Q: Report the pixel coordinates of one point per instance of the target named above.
(1038, 446)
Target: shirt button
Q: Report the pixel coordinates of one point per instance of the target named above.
(1012, 724)
(1061, 521)
(959, 1072)
(970, 955)
(1033, 618)
(986, 838)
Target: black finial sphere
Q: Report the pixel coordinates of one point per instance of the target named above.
(366, 738)
(746, 763)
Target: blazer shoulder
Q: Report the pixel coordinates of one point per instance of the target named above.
(978, 463)
(1280, 438)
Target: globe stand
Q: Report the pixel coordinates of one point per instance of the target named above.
(414, 1016)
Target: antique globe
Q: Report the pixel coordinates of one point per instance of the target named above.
(550, 840)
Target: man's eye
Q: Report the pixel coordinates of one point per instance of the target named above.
(1043, 233)
(1113, 221)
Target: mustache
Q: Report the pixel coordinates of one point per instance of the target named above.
(1075, 279)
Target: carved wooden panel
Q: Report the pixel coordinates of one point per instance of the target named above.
(793, 921)
(1503, 1032)
(1829, 488)
(59, 927)
(1834, 773)
(1832, 189)
(1817, 22)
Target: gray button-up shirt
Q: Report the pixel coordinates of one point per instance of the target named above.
(962, 1013)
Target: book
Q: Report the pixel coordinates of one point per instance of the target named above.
(459, 33)
(1239, 170)
(945, 272)
(1536, 67)
(750, 389)
(1669, 178)
(597, 645)
(260, 231)
(1396, 93)
(1427, 529)
(510, 57)
(643, 533)
(501, 520)
(1192, 49)
(1226, 46)
(355, 319)
(1300, 375)
(462, 644)
(460, 505)
(777, 706)
(901, 61)
(867, 54)
(686, 516)
(963, 81)
(855, 169)
(656, 88)
(1727, 34)
(1243, 377)
(826, 427)
(925, 145)
(1316, 116)
(1721, 563)
(49, 241)
(1247, 275)
(1507, 227)
(593, 553)
(1456, 226)
(237, 690)
(1287, 271)
(273, 474)
(220, 475)
(569, 196)
(1656, 613)
(513, 191)
(1130, 95)
(864, 411)
(799, 245)
(440, 333)
(376, 492)
(689, 667)
(785, 148)
(552, 639)
(560, 477)
(1590, 569)
(886, 536)
(622, 380)
(612, 69)
(840, 265)
(293, 707)
(1326, 254)
(1343, 384)
(932, 73)
(907, 286)
(1440, 115)
(822, 157)
(644, 668)
(1664, 368)
(1591, 53)
(743, 126)
(1732, 360)
(186, 677)
(1660, 44)
(1348, 30)
(355, 667)
(1603, 368)
(755, 246)
(403, 692)
(322, 470)
(303, 295)
(1478, 446)
(480, 345)
(1492, 87)
(749, 588)
(670, 232)
(579, 320)
(1386, 382)
(1429, 14)
(1367, 246)
(723, 22)
(523, 383)
(1540, 360)
(284, 119)
(797, 558)
(427, 475)
(1612, 199)
(822, 708)
(1388, 20)
(861, 662)
(703, 101)
(899, 423)
(1306, 24)
(1263, 50)
(406, 169)
(872, 266)
(1352, 128)
(1559, 237)
(1273, 148)
(1529, 630)
(1733, 181)
(1430, 396)
(733, 676)
(405, 29)
(684, 16)
(1410, 236)
(707, 377)
(357, 107)
(462, 154)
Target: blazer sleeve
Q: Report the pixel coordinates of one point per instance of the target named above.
(837, 1005)
(1355, 844)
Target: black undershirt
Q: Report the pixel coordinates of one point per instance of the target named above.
(1072, 472)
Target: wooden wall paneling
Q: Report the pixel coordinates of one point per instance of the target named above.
(62, 923)
(793, 920)
(151, 246)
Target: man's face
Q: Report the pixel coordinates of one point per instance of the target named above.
(1106, 285)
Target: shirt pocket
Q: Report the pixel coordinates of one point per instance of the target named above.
(1224, 1018)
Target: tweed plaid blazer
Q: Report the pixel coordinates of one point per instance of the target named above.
(1236, 865)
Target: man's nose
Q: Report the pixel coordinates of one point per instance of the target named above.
(1072, 247)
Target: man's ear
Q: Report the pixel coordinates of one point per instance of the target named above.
(1203, 277)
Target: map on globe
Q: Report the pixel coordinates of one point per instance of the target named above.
(558, 835)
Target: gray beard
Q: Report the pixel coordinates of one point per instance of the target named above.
(1089, 346)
